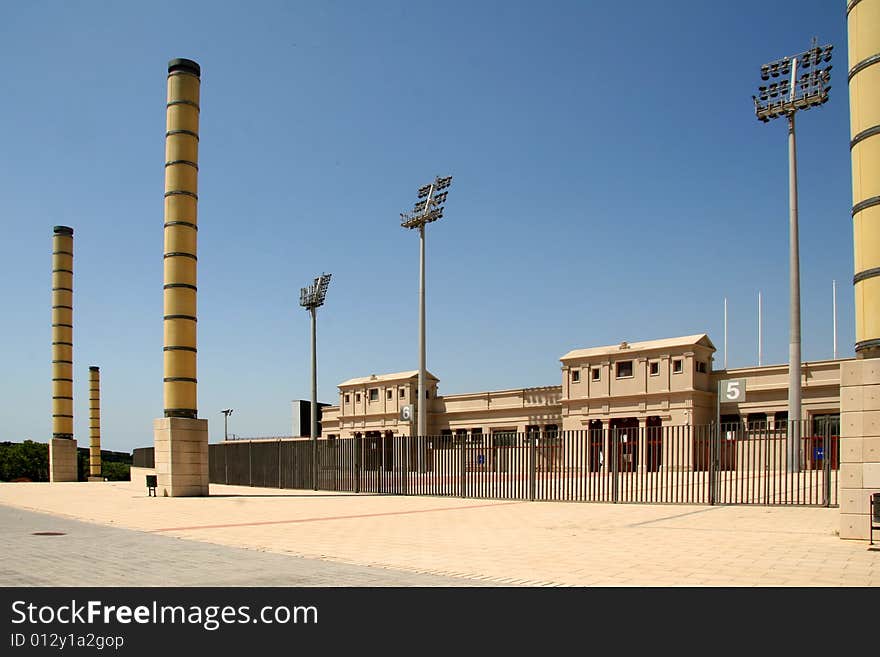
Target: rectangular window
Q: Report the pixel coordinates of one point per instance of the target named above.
(402, 393)
(357, 398)
(347, 397)
(575, 376)
(654, 368)
(596, 373)
(624, 369)
(701, 367)
(676, 366)
(374, 394)
(390, 395)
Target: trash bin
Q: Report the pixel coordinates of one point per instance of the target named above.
(151, 485)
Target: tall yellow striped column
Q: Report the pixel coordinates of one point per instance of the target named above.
(62, 447)
(859, 475)
(863, 17)
(94, 422)
(180, 438)
(181, 201)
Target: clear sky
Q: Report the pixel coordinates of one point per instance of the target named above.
(611, 182)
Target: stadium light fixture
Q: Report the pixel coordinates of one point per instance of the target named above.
(783, 99)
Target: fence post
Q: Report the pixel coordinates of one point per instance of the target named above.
(826, 462)
(714, 445)
(357, 464)
(461, 465)
(250, 464)
(381, 461)
(532, 442)
(615, 470)
(226, 463)
(280, 480)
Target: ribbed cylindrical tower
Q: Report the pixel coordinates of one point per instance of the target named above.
(62, 332)
(181, 202)
(863, 17)
(94, 422)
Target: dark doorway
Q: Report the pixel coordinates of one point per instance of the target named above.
(597, 445)
(625, 433)
(388, 451)
(654, 443)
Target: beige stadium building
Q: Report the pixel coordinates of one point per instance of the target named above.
(657, 383)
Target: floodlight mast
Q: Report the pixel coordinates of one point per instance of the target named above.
(226, 413)
(810, 90)
(425, 211)
(311, 298)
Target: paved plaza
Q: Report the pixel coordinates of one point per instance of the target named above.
(254, 536)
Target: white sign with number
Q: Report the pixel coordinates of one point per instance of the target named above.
(406, 413)
(732, 390)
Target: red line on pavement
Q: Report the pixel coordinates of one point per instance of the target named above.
(362, 515)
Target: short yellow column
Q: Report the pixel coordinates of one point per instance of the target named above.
(94, 423)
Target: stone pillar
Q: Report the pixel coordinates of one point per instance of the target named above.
(859, 444)
(62, 446)
(860, 380)
(181, 440)
(94, 424)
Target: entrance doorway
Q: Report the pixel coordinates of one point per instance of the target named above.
(625, 433)
(653, 444)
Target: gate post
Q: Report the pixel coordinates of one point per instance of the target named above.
(357, 464)
(714, 444)
(532, 440)
(826, 463)
(461, 466)
(381, 465)
(407, 450)
(615, 470)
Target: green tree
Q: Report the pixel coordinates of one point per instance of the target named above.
(27, 460)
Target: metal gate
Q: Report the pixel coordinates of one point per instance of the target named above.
(649, 464)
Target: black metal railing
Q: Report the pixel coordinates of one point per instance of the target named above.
(633, 464)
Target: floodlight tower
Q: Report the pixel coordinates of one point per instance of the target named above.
(311, 298)
(428, 208)
(226, 413)
(777, 99)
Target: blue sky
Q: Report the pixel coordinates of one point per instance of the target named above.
(610, 183)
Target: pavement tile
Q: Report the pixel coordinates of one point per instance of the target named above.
(481, 541)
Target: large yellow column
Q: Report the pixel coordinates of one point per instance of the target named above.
(864, 103)
(860, 379)
(62, 446)
(181, 440)
(94, 424)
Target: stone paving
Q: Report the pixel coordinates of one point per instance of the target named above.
(87, 554)
(484, 541)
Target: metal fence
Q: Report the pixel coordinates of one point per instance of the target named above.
(657, 465)
(143, 457)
